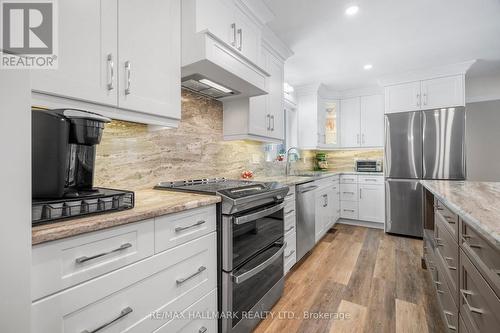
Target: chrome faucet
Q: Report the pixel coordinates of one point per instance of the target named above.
(288, 161)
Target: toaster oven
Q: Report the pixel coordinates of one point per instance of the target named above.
(369, 166)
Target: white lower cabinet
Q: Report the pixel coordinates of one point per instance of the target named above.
(371, 203)
(141, 296)
(349, 210)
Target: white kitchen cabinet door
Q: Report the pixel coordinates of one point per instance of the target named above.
(443, 92)
(372, 121)
(87, 53)
(335, 198)
(259, 120)
(350, 122)
(216, 17)
(276, 107)
(149, 68)
(248, 37)
(402, 97)
(371, 203)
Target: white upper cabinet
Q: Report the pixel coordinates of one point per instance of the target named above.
(149, 56)
(122, 58)
(443, 92)
(402, 97)
(87, 53)
(350, 122)
(372, 121)
(439, 92)
(248, 36)
(216, 17)
(259, 118)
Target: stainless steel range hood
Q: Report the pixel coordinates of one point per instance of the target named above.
(203, 85)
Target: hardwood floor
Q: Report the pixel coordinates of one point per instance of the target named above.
(372, 279)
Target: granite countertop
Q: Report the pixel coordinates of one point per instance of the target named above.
(308, 176)
(477, 203)
(148, 204)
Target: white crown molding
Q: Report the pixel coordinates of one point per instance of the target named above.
(427, 73)
(259, 9)
(307, 89)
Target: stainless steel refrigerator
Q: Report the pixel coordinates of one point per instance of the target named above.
(419, 145)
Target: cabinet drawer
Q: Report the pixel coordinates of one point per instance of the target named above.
(448, 306)
(290, 223)
(462, 328)
(348, 179)
(349, 210)
(349, 192)
(373, 180)
(447, 216)
(202, 322)
(289, 255)
(479, 305)
(447, 252)
(175, 229)
(61, 264)
(484, 256)
(169, 281)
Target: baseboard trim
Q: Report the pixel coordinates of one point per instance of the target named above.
(367, 224)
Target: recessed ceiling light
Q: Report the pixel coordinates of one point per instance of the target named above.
(351, 10)
(367, 67)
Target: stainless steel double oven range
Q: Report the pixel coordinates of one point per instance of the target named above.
(250, 247)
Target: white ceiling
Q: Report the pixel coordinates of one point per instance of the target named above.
(394, 35)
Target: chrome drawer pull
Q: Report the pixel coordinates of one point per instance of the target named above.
(111, 67)
(290, 254)
(451, 261)
(348, 192)
(198, 272)
(122, 314)
(128, 70)
(466, 293)
(475, 246)
(203, 329)
(370, 180)
(178, 229)
(287, 230)
(85, 258)
(349, 210)
(446, 314)
(437, 287)
(289, 212)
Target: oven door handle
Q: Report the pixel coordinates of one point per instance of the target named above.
(257, 215)
(247, 275)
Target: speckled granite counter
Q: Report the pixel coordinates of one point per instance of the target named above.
(148, 204)
(477, 203)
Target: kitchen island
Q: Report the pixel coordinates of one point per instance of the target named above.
(462, 252)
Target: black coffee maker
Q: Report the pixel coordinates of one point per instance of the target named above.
(63, 152)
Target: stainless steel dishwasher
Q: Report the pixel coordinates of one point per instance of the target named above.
(306, 216)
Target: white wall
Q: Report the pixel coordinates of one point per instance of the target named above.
(15, 201)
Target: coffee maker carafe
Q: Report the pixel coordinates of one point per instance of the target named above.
(63, 152)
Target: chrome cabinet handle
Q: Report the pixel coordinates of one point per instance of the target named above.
(202, 329)
(198, 272)
(128, 69)
(122, 314)
(268, 122)
(290, 254)
(446, 314)
(418, 99)
(466, 293)
(289, 229)
(83, 259)
(437, 287)
(370, 179)
(474, 246)
(240, 34)
(233, 27)
(425, 99)
(449, 219)
(346, 192)
(178, 229)
(449, 259)
(349, 210)
(272, 119)
(111, 68)
(289, 212)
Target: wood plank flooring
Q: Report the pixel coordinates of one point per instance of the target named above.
(360, 280)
